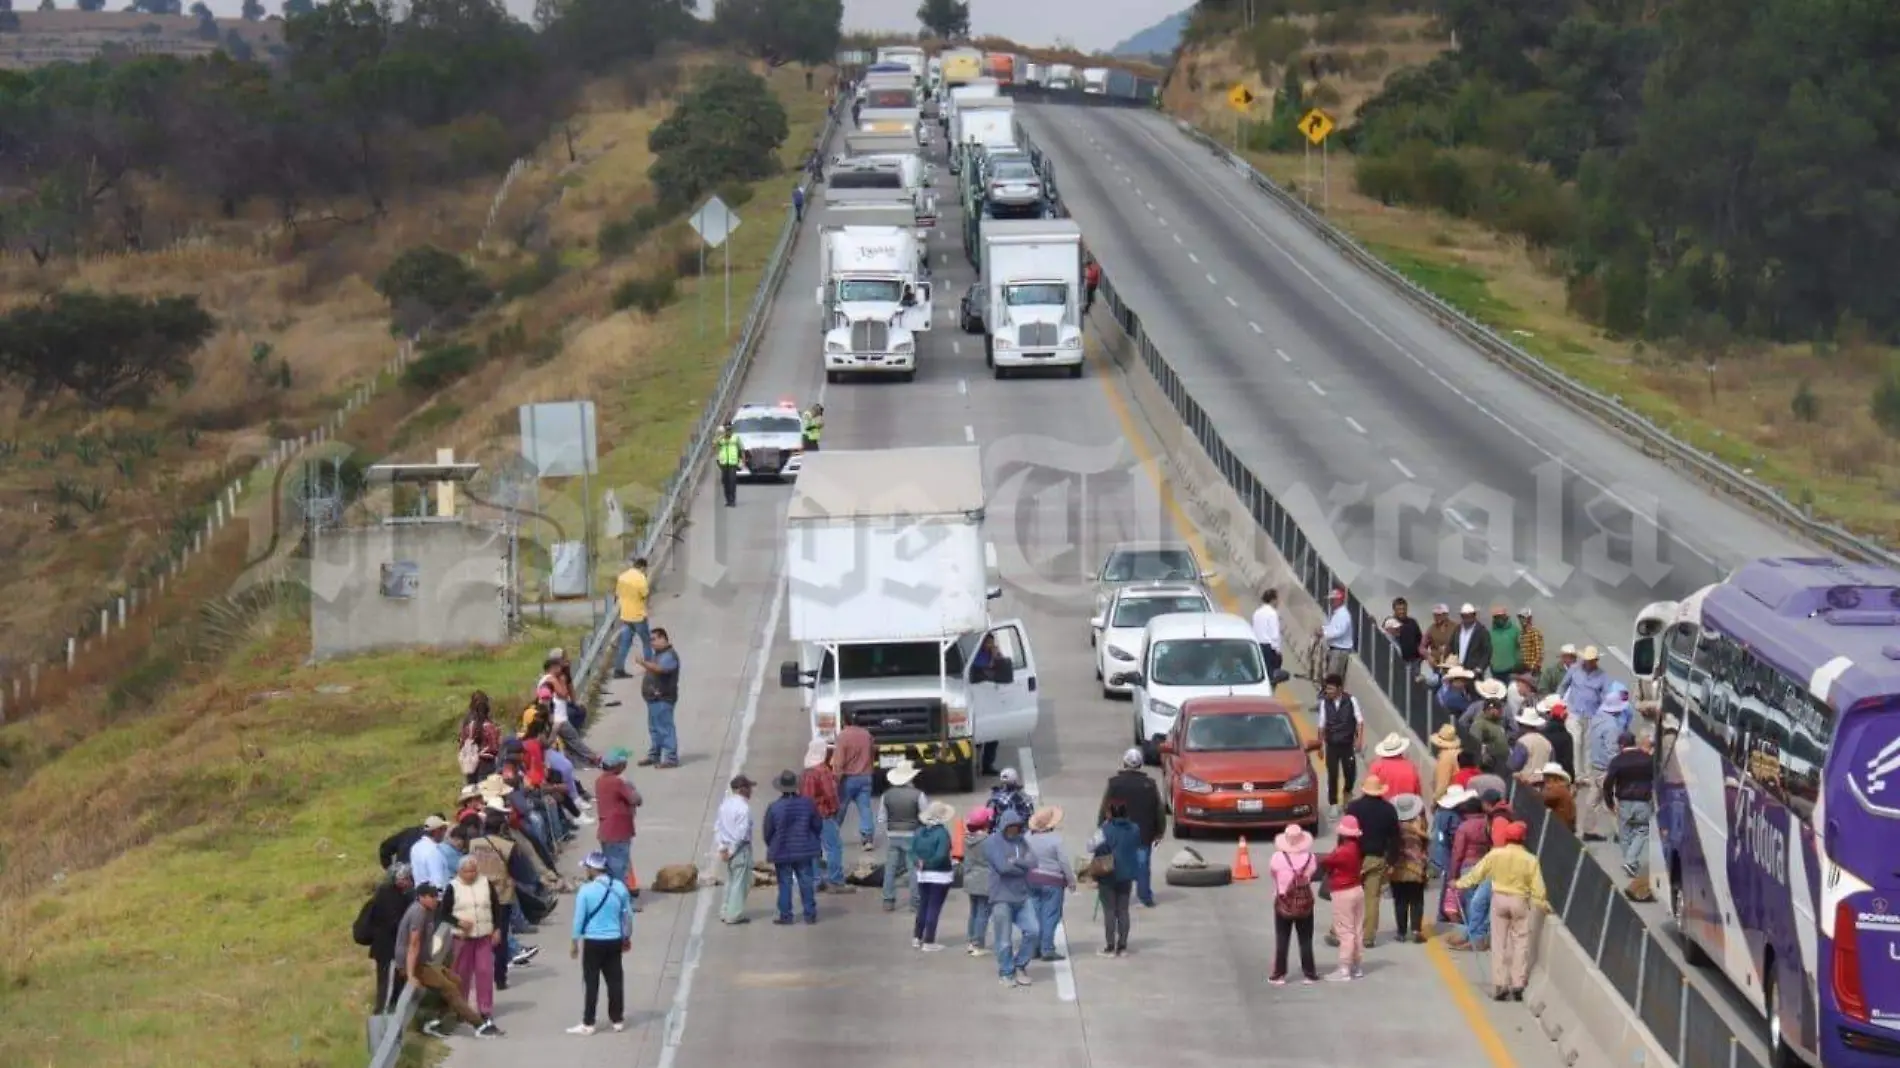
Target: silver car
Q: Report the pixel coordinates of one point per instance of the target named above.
(1014, 188)
(1143, 561)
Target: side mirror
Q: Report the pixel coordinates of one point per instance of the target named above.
(923, 292)
(1097, 623)
(1002, 672)
(1311, 745)
(994, 593)
(820, 296)
(789, 676)
(1167, 748)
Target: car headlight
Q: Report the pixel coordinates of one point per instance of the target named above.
(1120, 654)
(1004, 343)
(1072, 343)
(1158, 707)
(1195, 786)
(834, 346)
(903, 346)
(1302, 781)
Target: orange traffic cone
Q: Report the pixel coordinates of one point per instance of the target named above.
(1243, 862)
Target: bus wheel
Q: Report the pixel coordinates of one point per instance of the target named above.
(1691, 952)
(1780, 1054)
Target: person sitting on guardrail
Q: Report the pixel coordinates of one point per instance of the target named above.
(421, 952)
(1517, 887)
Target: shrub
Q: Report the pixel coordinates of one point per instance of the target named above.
(479, 143)
(534, 277)
(686, 262)
(649, 294)
(1804, 404)
(426, 286)
(1885, 405)
(623, 235)
(736, 194)
(440, 366)
(1275, 42)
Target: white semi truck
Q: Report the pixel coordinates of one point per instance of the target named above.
(983, 124)
(963, 96)
(874, 300)
(888, 597)
(1030, 278)
(909, 55)
(1095, 80)
(1061, 76)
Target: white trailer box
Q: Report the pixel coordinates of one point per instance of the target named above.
(1031, 274)
(961, 97)
(1095, 80)
(1061, 76)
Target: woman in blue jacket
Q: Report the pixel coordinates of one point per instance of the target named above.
(1120, 840)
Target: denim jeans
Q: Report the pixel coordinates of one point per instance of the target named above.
(897, 859)
(619, 859)
(1144, 889)
(1019, 917)
(978, 929)
(805, 873)
(627, 633)
(1632, 832)
(1438, 854)
(1048, 902)
(1477, 906)
(663, 742)
(833, 842)
(856, 789)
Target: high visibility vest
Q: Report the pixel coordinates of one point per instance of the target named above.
(728, 455)
(814, 426)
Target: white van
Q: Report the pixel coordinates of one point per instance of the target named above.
(1185, 655)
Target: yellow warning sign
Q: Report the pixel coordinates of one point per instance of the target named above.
(1240, 98)
(1316, 125)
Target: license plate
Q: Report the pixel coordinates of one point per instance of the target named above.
(891, 760)
(1250, 806)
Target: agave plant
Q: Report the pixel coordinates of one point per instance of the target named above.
(65, 491)
(51, 448)
(93, 499)
(88, 450)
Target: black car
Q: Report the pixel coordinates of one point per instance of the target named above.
(971, 309)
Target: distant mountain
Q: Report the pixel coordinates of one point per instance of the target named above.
(1159, 39)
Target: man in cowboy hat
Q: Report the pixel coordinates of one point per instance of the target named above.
(1445, 747)
(1550, 679)
(793, 843)
(901, 811)
(1489, 737)
(1531, 751)
(1393, 767)
(1472, 643)
(1454, 689)
(1378, 833)
(1583, 689)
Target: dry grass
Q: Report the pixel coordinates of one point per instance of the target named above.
(1353, 71)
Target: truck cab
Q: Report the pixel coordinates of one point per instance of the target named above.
(874, 299)
(1031, 274)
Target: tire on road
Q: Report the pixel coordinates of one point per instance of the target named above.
(1212, 875)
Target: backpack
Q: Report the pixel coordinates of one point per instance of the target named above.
(469, 757)
(360, 931)
(1297, 902)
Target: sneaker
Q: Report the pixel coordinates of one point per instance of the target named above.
(811, 921)
(1006, 981)
(527, 954)
(581, 1029)
(782, 921)
(584, 820)
(1418, 937)
(1517, 995)
(1358, 973)
(1276, 980)
(890, 906)
(979, 951)
(619, 1027)
(648, 761)
(488, 1030)
(916, 943)
(1105, 951)
(434, 1029)
(1022, 979)
(1122, 951)
(1052, 956)
(931, 947)
(666, 764)
(1340, 976)
(1309, 980)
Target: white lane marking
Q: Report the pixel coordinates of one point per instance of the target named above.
(1256, 328)
(956, 346)
(1149, 204)
(969, 433)
(1535, 582)
(1620, 655)
(1232, 302)
(1283, 356)
(674, 1028)
(1403, 470)
(1211, 280)
(1354, 423)
(1161, 220)
(943, 257)
(1177, 239)
(1315, 387)
(1234, 208)
(963, 385)
(1065, 973)
(1191, 256)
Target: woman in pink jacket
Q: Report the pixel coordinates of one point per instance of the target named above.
(1293, 868)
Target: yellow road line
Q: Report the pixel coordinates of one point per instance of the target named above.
(1461, 991)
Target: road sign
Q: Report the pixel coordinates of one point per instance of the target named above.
(1316, 125)
(1240, 98)
(714, 222)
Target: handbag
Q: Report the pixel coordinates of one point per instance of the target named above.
(469, 756)
(1101, 867)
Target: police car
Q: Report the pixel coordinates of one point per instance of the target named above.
(771, 439)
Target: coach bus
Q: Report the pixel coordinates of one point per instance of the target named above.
(1777, 827)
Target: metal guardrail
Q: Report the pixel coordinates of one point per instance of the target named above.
(1612, 412)
(1653, 983)
(387, 1032)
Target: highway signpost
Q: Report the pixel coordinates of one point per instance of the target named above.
(1318, 127)
(1241, 99)
(714, 223)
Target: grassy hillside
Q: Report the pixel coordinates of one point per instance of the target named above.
(206, 921)
(1521, 246)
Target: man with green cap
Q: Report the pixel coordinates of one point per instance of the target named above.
(614, 802)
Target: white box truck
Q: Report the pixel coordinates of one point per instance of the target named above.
(1095, 80)
(1061, 76)
(1030, 275)
(888, 596)
(983, 125)
(961, 97)
(874, 300)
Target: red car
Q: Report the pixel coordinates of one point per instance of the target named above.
(1238, 762)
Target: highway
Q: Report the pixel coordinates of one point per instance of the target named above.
(1072, 471)
(1443, 476)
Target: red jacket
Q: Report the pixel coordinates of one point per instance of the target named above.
(1342, 865)
(1093, 275)
(822, 787)
(1469, 843)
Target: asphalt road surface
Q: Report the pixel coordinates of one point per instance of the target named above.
(850, 992)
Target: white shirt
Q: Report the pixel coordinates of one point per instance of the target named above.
(1266, 625)
(428, 865)
(732, 827)
(1464, 639)
(1338, 631)
(560, 706)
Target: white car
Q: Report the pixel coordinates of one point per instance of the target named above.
(1131, 562)
(771, 440)
(1189, 655)
(1118, 630)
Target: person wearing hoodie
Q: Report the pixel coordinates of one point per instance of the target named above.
(1292, 869)
(1445, 746)
(1563, 749)
(1010, 863)
(1052, 878)
(1122, 841)
(1507, 644)
(1134, 789)
(1601, 744)
(1342, 868)
(930, 851)
(976, 878)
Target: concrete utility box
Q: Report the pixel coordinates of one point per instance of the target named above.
(440, 583)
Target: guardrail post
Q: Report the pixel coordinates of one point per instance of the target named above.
(1642, 973)
(1682, 1025)
(72, 653)
(1583, 857)
(1603, 935)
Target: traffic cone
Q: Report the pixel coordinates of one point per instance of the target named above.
(1243, 862)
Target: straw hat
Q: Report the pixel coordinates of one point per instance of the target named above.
(902, 774)
(1409, 806)
(1491, 690)
(1047, 818)
(937, 812)
(1589, 654)
(1455, 796)
(1446, 737)
(1373, 786)
(1392, 745)
(1457, 671)
(1529, 718)
(493, 786)
(1555, 770)
(1293, 840)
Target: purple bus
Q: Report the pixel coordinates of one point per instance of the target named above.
(1777, 827)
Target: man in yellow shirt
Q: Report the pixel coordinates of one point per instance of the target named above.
(1517, 887)
(631, 590)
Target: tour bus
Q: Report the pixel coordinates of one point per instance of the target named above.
(1777, 827)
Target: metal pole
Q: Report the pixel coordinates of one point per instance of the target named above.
(587, 512)
(702, 289)
(1325, 176)
(726, 254)
(1306, 182)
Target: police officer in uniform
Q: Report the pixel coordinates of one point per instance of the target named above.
(814, 426)
(726, 455)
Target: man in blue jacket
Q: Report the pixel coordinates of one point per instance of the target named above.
(1010, 862)
(793, 845)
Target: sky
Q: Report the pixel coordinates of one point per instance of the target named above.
(1090, 25)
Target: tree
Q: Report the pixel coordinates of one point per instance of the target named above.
(596, 34)
(238, 47)
(92, 5)
(294, 8)
(200, 11)
(253, 10)
(782, 31)
(727, 128)
(159, 7)
(948, 20)
(108, 349)
(426, 286)
(48, 5)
